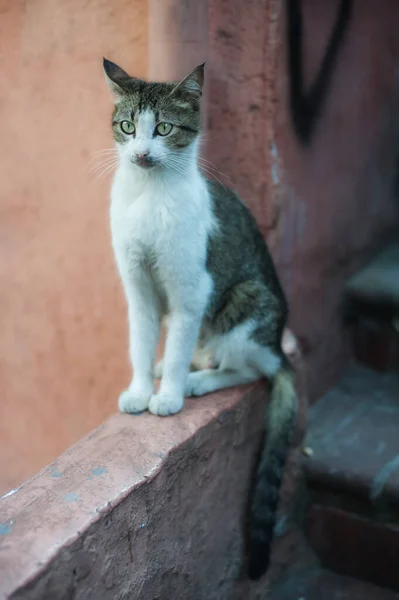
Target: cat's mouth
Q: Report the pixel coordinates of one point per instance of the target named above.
(144, 163)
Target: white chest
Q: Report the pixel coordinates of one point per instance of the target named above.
(164, 221)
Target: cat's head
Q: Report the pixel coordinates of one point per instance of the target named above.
(155, 124)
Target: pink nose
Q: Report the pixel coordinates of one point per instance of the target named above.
(142, 155)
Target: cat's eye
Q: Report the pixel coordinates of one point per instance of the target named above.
(164, 128)
(127, 127)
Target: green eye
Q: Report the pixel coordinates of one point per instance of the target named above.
(127, 127)
(163, 128)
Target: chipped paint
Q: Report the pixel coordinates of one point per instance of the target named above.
(5, 528)
(98, 471)
(55, 472)
(71, 497)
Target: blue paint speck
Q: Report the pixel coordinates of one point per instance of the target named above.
(99, 471)
(71, 497)
(5, 528)
(55, 472)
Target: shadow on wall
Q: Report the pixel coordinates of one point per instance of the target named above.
(307, 106)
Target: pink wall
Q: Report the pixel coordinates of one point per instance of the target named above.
(63, 335)
(323, 208)
(63, 343)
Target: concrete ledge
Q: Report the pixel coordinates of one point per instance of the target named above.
(143, 507)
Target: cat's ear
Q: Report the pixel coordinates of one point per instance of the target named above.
(192, 84)
(116, 78)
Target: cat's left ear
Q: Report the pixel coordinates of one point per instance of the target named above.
(192, 84)
(116, 78)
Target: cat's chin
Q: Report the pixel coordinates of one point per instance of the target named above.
(145, 166)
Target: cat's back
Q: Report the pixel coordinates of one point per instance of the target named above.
(237, 241)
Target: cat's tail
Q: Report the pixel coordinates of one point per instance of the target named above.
(280, 424)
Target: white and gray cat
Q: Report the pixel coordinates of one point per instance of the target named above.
(190, 252)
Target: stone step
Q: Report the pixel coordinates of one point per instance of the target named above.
(375, 288)
(322, 584)
(352, 472)
(371, 307)
(300, 576)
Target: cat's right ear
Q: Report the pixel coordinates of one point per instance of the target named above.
(115, 78)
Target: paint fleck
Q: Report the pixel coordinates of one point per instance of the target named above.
(55, 472)
(97, 471)
(142, 525)
(5, 528)
(71, 497)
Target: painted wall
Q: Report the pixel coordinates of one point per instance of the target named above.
(63, 352)
(322, 206)
(325, 205)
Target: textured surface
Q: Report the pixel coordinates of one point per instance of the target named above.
(144, 508)
(63, 344)
(336, 198)
(355, 546)
(325, 206)
(353, 434)
(301, 577)
(320, 584)
(353, 475)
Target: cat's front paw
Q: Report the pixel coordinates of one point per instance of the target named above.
(164, 404)
(134, 401)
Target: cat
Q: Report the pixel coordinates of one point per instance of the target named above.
(190, 251)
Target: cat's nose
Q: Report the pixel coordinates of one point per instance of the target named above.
(143, 159)
(142, 155)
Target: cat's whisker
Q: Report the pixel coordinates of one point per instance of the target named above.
(104, 151)
(102, 157)
(107, 168)
(210, 169)
(103, 163)
(176, 168)
(215, 176)
(201, 158)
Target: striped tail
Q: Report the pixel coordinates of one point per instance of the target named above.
(281, 418)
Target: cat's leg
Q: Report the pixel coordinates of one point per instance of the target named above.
(211, 380)
(241, 360)
(182, 336)
(259, 362)
(144, 331)
(184, 322)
